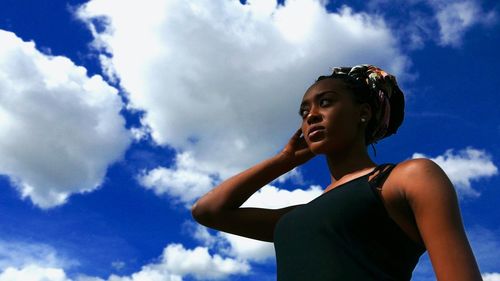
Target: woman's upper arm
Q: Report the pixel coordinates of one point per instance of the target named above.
(254, 223)
(434, 202)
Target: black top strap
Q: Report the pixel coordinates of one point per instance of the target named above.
(377, 168)
(379, 179)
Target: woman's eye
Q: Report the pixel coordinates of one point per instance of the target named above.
(322, 101)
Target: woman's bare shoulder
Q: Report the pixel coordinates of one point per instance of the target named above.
(420, 180)
(416, 165)
(419, 175)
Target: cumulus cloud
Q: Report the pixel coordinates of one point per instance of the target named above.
(293, 175)
(23, 261)
(247, 249)
(19, 254)
(177, 262)
(184, 182)
(202, 234)
(234, 245)
(33, 273)
(60, 129)
(224, 80)
(491, 276)
(273, 197)
(463, 167)
(199, 263)
(42, 263)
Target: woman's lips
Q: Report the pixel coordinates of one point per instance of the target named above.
(316, 134)
(314, 128)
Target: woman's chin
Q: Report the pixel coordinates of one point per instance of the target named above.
(319, 147)
(326, 146)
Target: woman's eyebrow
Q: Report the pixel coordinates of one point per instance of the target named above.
(317, 96)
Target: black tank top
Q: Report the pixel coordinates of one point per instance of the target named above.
(345, 234)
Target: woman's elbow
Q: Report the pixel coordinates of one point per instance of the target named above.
(201, 213)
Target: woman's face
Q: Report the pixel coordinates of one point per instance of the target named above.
(331, 120)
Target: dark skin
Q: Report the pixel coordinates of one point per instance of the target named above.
(417, 194)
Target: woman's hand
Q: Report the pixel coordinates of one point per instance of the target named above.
(296, 150)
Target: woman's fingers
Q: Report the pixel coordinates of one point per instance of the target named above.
(297, 134)
(297, 150)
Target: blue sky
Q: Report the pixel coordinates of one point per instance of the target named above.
(115, 116)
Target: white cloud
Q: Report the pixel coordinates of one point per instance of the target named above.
(140, 133)
(24, 261)
(27, 261)
(224, 80)
(21, 261)
(177, 262)
(246, 248)
(185, 182)
(462, 168)
(203, 235)
(200, 263)
(88, 278)
(273, 197)
(19, 254)
(491, 276)
(455, 18)
(60, 129)
(293, 175)
(33, 273)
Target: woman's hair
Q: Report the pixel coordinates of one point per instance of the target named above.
(372, 85)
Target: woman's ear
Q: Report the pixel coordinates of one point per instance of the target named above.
(365, 111)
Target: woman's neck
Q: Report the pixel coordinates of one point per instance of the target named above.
(350, 160)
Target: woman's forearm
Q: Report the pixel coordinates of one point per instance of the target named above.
(233, 192)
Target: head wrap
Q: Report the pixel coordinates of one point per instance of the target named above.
(389, 99)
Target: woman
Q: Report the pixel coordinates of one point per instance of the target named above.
(373, 222)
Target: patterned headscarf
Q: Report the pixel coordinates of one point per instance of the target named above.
(387, 95)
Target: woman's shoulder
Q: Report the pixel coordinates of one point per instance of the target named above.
(419, 175)
(416, 165)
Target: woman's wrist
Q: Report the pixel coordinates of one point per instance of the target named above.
(285, 159)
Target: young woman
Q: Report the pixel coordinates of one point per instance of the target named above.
(374, 221)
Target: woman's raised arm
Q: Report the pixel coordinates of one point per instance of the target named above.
(220, 207)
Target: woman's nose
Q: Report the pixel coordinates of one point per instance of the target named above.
(313, 116)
